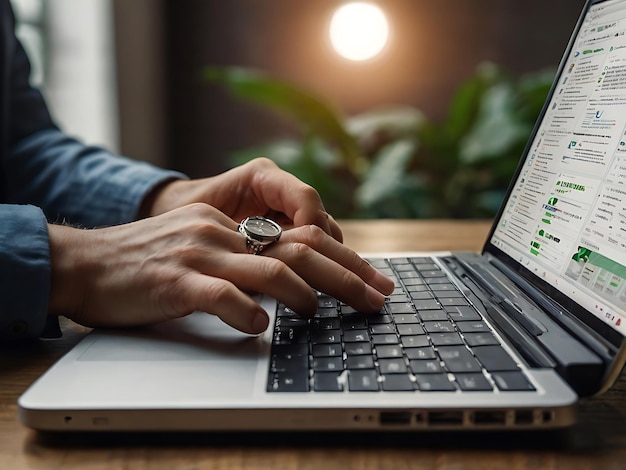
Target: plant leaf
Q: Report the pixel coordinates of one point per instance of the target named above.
(318, 117)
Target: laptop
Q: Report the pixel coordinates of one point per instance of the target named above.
(506, 339)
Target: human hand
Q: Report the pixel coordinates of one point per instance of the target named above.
(259, 187)
(192, 258)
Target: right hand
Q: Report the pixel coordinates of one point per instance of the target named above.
(193, 258)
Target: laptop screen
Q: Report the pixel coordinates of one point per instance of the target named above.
(565, 216)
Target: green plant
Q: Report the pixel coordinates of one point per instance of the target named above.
(395, 162)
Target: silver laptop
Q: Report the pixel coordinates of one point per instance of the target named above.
(506, 339)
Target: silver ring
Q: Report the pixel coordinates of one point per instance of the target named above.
(259, 232)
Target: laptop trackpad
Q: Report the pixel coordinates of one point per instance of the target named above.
(197, 337)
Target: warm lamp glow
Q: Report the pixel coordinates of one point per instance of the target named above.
(359, 31)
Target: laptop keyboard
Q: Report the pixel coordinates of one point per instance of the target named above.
(427, 338)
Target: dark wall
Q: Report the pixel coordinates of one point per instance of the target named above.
(435, 45)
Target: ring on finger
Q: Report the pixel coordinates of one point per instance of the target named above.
(259, 232)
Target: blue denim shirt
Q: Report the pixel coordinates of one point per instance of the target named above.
(48, 177)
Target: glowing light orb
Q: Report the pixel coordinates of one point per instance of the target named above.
(359, 31)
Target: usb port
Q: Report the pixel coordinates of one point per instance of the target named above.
(395, 418)
(489, 417)
(524, 417)
(445, 418)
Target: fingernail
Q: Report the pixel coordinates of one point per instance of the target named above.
(384, 283)
(260, 322)
(375, 298)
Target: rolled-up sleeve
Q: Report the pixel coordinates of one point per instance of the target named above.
(77, 184)
(25, 273)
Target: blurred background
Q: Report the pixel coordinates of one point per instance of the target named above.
(430, 127)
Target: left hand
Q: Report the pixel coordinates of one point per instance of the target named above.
(259, 187)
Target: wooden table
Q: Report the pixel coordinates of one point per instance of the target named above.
(598, 442)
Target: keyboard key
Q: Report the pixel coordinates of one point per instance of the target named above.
(429, 366)
(416, 281)
(353, 322)
(325, 323)
(326, 350)
(472, 326)
(480, 338)
(439, 327)
(392, 366)
(409, 329)
(409, 275)
(512, 381)
(294, 349)
(354, 336)
(327, 364)
(383, 328)
(458, 359)
(426, 305)
(294, 381)
(432, 315)
(327, 336)
(452, 301)
(385, 339)
(494, 358)
(449, 294)
(420, 353)
(386, 351)
(463, 313)
(439, 289)
(432, 273)
(291, 321)
(290, 335)
(378, 319)
(359, 362)
(417, 341)
(378, 263)
(445, 339)
(358, 349)
(405, 318)
(434, 383)
(404, 267)
(283, 311)
(327, 382)
(417, 288)
(425, 265)
(347, 310)
(398, 298)
(399, 308)
(397, 383)
(288, 362)
(473, 382)
(363, 381)
(422, 295)
(325, 301)
(327, 312)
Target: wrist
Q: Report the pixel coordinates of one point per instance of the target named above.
(162, 198)
(69, 267)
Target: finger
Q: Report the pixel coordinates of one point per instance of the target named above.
(335, 230)
(347, 258)
(283, 192)
(328, 276)
(266, 275)
(221, 298)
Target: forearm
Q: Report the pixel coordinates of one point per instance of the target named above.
(77, 184)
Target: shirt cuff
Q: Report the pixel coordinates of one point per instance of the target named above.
(25, 273)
